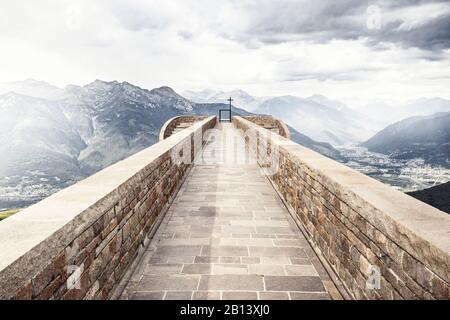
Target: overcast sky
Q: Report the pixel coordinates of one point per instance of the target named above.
(357, 51)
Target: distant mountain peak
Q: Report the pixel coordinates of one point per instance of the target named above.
(105, 82)
(165, 89)
(318, 96)
(31, 81)
(13, 94)
(424, 137)
(169, 92)
(238, 92)
(33, 88)
(241, 98)
(100, 84)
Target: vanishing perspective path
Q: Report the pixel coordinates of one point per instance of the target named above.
(228, 235)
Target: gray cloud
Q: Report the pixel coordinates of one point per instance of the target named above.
(274, 22)
(186, 44)
(434, 36)
(185, 34)
(258, 22)
(349, 75)
(138, 19)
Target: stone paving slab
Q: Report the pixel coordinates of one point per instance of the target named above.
(294, 283)
(228, 236)
(231, 282)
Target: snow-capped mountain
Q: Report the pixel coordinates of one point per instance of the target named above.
(322, 122)
(324, 119)
(33, 88)
(201, 96)
(47, 144)
(425, 107)
(335, 104)
(118, 119)
(318, 117)
(241, 99)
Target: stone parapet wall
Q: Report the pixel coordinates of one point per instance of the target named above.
(172, 123)
(379, 242)
(270, 122)
(79, 242)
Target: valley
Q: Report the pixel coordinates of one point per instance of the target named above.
(402, 174)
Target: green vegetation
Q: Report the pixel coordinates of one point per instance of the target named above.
(8, 213)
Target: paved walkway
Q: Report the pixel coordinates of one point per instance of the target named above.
(228, 236)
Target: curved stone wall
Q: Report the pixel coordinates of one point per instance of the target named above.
(171, 124)
(379, 242)
(270, 122)
(79, 242)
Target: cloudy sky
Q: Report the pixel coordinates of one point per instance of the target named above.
(357, 51)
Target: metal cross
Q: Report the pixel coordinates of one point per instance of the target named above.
(230, 100)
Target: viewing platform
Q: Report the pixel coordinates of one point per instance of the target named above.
(228, 235)
(226, 211)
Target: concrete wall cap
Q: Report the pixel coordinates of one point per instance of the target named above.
(23, 231)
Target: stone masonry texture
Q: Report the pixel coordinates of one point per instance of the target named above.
(369, 261)
(256, 230)
(92, 264)
(228, 235)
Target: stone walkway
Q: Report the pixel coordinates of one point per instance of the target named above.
(228, 236)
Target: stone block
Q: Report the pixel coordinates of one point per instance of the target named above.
(148, 295)
(231, 251)
(171, 251)
(178, 295)
(309, 296)
(231, 282)
(293, 283)
(163, 268)
(54, 269)
(266, 269)
(301, 270)
(234, 260)
(229, 269)
(239, 295)
(277, 252)
(197, 268)
(168, 282)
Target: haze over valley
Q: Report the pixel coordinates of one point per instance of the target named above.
(406, 146)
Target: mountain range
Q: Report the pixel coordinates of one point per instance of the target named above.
(316, 117)
(50, 141)
(324, 119)
(424, 137)
(390, 113)
(52, 137)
